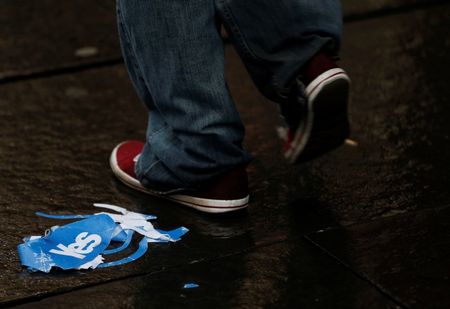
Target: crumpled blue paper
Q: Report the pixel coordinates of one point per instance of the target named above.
(80, 245)
(73, 246)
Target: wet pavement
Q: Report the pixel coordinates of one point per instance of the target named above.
(363, 227)
(42, 36)
(412, 248)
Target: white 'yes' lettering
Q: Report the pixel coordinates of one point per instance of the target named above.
(83, 245)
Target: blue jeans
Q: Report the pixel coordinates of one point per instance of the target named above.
(175, 57)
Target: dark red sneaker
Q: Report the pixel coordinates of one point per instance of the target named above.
(322, 122)
(228, 192)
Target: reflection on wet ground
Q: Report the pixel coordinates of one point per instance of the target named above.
(405, 255)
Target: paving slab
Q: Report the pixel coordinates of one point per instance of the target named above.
(400, 133)
(284, 275)
(406, 256)
(399, 119)
(42, 35)
(49, 35)
(54, 153)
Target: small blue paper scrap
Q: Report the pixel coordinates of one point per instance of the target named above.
(80, 245)
(190, 286)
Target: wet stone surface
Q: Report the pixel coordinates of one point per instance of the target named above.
(38, 35)
(277, 276)
(58, 133)
(42, 35)
(69, 120)
(406, 255)
(78, 132)
(399, 119)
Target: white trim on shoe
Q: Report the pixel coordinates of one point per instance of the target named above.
(201, 204)
(303, 133)
(323, 79)
(209, 205)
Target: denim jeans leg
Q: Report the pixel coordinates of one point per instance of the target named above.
(276, 38)
(175, 58)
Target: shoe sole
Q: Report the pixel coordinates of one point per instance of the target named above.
(201, 204)
(327, 125)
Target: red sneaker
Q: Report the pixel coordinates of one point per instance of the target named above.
(228, 192)
(321, 125)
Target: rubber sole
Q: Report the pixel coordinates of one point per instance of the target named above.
(326, 126)
(201, 204)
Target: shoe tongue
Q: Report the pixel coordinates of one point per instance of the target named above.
(317, 65)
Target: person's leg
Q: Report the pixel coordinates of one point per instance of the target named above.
(288, 45)
(277, 38)
(174, 54)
